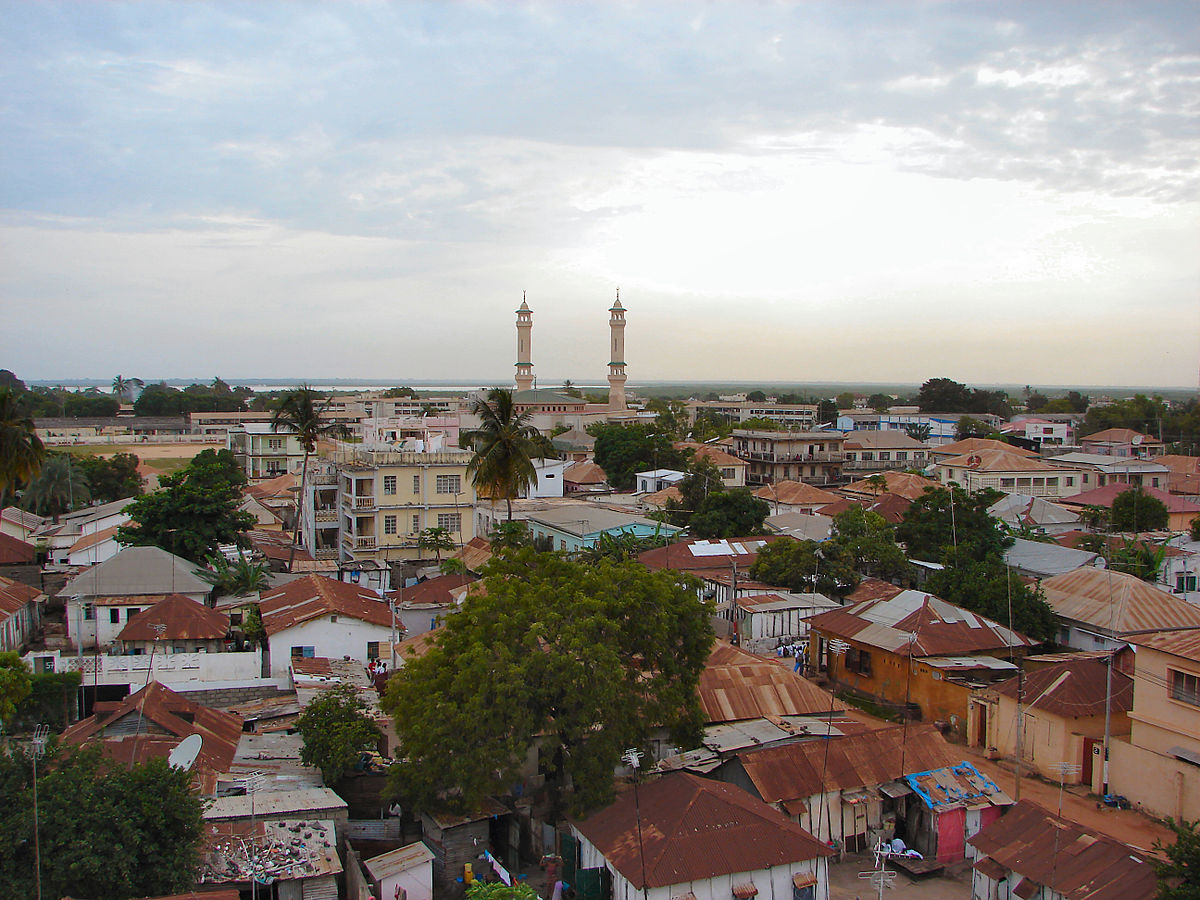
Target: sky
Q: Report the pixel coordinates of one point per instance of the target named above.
(875, 192)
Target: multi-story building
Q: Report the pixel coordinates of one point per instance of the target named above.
(814, 457)
(789, 415)
(386, 498)
(262, 452)
(871, 452)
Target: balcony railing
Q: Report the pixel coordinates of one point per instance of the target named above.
(364, 543)
(763, 456)
(325, 515)
(358, 502)
(326, 554)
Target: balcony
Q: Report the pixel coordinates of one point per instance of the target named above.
(325, 515)
(364, 543)
(359, 502)
(325, 554)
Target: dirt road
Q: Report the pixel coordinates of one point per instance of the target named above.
(845, 883)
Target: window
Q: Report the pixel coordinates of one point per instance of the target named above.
(450, 521)
(389, 484)
(1069, 481)
(89, 612)
(372, 650)
(389, 524)
(333, 618)
(416, 523)
(727, 473)
(1006, 482)
(114, 616)
(235, 618)
(416, 484)
(304, 652)
(858, 661)
(449, 484)
(275, 443)
(133, 611)
(1185, 687)
(1185, 583)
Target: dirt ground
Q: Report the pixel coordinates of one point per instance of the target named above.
(845, 883)
(153, 459)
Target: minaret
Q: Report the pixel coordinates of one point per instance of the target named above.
(616, 366)
(524, 346)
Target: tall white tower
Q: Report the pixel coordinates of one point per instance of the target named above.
(524, 346)
(616, 365)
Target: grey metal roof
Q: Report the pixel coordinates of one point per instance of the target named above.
(134, 571)
(1036, 558)
(591, 520)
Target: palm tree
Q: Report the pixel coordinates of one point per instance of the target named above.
(245, 576)
(123, 388)
(302, 412)
(60, 486)
(21, 450)
(505, 447)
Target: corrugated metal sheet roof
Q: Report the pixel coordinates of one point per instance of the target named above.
(183, 617)
(1074, 689)
(399, 860)
(137, 570)
(693, 829)
(794, 771)
(315, 595)
(1185, 643)
(918, 624)
(1116, 603)
(1064, 856)
(739, 685)
(14, 595)
(679, 556)
(958, 785)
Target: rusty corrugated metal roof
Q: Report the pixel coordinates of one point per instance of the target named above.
(1073, 688)
(679, 556)
(1065, 857)
(913, 623)
(737, 685)
(184, 618)
(1116, 603)
(1185, 643)
(315, 595)
(693, 829)
(14, 595)
(796, 771)
(167, 718)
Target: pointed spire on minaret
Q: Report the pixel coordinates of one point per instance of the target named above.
(616, 365)
(524, 346)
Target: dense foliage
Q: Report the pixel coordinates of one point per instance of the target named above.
(60, 486)
(802, 566)
(15, 684)
(21, 450)
(1178, 866)
(505, 445)
(336, 728)
(1136, 510)
(163, 400)
(106, 832)
(578, 661)
(195, 510)
(111, 479)
(624, 450)
(948, 396)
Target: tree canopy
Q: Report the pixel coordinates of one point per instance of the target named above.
(163, 400)
(871, 542)
(948, 396)
(732, 513)
(15, 684)
(21, 450)
(580, 661)
(806, 566)
(60, 486)
(111, 479)
(1136, 510)
(106, 832)
(336, 728)
(624, 450)
(943, 518)
(1179, 868)
(195, 510)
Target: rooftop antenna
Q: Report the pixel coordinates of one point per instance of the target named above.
(633, 757)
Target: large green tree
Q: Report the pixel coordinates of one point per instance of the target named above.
(336, 728)
(105, 831)
(624, 450)
(194, 511)
(1134, 509)
(505, 446)
(15, 684)
(806, 566)
(579, 661)
(112, 479)
(988, 587)
(732, 513)
(21, 450)
(304, 413)
(871, 542)
(235, 579)
(942, 519)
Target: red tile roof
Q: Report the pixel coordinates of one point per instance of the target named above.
(315, 595)
(432, 590)
(1072, 689)
(585, 473)
(694, 829)
(184, 618)
(737, 685)
(1065, 857)
(707, 451)
(167, 718)
(796, 771)
(996, 460)
(14, 551)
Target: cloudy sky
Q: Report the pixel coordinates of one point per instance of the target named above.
(813, 191)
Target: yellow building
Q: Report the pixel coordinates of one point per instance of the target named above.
(388, 497)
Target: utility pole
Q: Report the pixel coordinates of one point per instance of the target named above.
(1020, 727)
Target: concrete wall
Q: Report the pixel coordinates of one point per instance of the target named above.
(176, 670)
(335, 640)
(1160, 722)
(1161, 785)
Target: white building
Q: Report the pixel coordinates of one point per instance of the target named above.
(263, 452)
(315, 616)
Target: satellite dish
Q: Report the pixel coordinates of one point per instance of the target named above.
(184, 755)
(1137, 439)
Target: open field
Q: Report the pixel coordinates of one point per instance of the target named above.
(154, 460)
